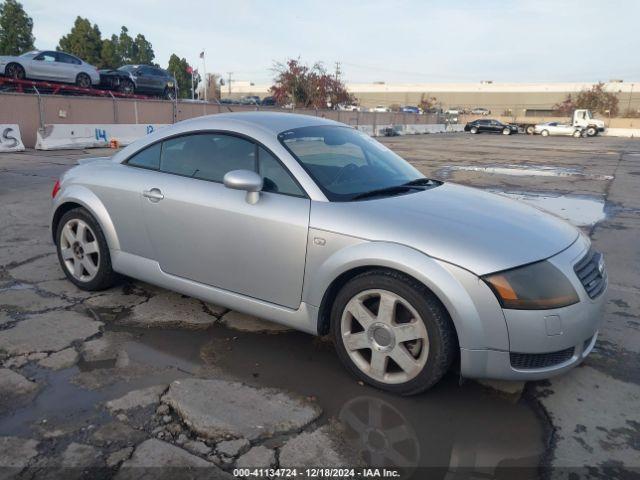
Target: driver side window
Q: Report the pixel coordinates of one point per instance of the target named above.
(276, 178)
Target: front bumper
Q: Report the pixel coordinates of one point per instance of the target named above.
(543, 343)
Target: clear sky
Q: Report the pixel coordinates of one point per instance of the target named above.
(376, 40)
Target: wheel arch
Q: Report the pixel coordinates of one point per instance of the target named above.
(76, 196)
(438, 279)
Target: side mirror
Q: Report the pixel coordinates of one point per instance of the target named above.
(245, 180)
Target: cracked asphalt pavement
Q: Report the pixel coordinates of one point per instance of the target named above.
(118, 383)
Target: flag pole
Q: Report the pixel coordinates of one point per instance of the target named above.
(204, 72)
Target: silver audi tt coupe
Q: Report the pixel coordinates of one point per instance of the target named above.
(312, 224)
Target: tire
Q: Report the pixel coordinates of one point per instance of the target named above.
(530, 129)
(544, 133)
(506, 131)
(83, 80)
(474, 130)
(169, 94)
(126, 86)
(431, 343)
(592, 131)
(76, 233)
(15, 71)
(577, 134)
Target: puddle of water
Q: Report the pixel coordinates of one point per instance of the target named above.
(451, 426)
(580, 210)
(527, 170)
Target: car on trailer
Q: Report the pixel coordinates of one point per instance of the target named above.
(140, 79)
(556, 128)
(51, 66)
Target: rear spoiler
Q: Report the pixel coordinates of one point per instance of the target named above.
(82, 161)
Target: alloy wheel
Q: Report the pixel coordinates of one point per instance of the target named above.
(384, 336)
(79, 250)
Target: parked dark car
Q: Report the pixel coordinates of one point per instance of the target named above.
(269, 102)
(410, 109)
(490, 126)
(143, 79)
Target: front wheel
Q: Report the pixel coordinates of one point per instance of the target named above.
(530, 129)
(592, 131)
(83, 80)
(126, 86)
(577, 134)
(83, 251)
(474, 130)
(392, 332)
(169, 94)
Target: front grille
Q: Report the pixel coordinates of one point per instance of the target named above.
(591, 273)
(532, 361)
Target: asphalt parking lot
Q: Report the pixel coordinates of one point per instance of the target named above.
(138, 376)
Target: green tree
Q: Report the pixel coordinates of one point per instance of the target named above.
(125, 46)
(142, 51)
(178, 67)
(16, 29)
(84, 41)
(109, 57)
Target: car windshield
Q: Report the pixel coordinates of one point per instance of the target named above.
(346, 163)
(31, 54)
(127, 68)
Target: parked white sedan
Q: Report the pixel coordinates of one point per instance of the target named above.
(555, 128)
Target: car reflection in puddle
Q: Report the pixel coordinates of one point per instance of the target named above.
(451, 428)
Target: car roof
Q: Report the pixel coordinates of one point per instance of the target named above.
(254, 124)
(274, 122)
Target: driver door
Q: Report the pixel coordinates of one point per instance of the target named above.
(202, 231)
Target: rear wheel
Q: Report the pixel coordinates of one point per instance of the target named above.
(392, 332)
(577, 134)
(83, 251)
(544, 133)
(83, 80)
(506, 131)
(14, 70)
(530, 130)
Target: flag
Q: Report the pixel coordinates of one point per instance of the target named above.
(202, 54)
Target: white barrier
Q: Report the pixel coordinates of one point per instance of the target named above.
(409, 129)
(10, 140)
(621, 132)
(68, 136)
(64, 136)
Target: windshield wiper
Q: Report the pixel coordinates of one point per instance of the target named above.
(420, 182)
(398, 189)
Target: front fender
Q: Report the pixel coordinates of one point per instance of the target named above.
(83, 196)
(473, 308)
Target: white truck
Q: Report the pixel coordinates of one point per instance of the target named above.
(581, 117)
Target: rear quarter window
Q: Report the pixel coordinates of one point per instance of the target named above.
(147, 158)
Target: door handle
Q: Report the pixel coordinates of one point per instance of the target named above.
(155, 195)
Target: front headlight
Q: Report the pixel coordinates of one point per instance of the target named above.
(538, 286)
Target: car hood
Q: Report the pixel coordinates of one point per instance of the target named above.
(476, 230)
